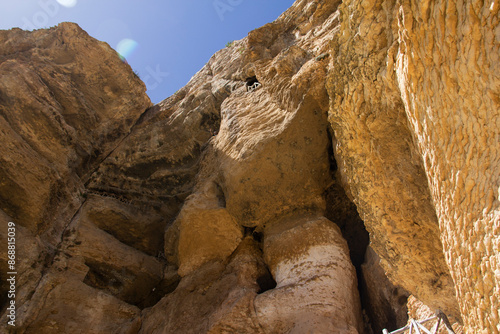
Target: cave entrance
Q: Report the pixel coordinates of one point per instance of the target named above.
(344, 213)
(383, 304)
(252, 84)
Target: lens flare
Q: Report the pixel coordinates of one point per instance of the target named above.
(126, 47)
(67, 3)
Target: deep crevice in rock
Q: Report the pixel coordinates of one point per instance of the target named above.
(221, 197)
(256, 235)
(132, 288)
(343, 212)
(380, 313)
(331, 154)
(266, 282)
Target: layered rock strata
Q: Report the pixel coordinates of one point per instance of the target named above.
(67, 101)
(245, 208)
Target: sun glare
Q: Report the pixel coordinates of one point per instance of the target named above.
(126, 47)
(67, 3)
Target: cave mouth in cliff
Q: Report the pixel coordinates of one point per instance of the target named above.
(344, 213)
(252, 83)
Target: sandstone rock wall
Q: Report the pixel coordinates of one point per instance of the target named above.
(378, 161)
(265, 174)
(425, 73)
(66, 102)
(448, 72)
(225, 210)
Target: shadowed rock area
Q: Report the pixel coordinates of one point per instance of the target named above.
(331, 172)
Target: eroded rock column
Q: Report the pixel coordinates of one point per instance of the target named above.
(316, 288)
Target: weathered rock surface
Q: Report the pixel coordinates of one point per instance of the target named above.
(377, 159)
(70, 306)
(418, 310)
(204, 236)
(448, 72)
(316, 283)
(66, 102)
(229, 210)
(426, 74)
(217, 298)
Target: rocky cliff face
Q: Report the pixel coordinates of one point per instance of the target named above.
(66, 103)
(247, 200)
(427, 73)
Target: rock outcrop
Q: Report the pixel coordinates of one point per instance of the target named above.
(448, 74)
(377, 158)
(426, 73)
(245, 202)
(67, 101)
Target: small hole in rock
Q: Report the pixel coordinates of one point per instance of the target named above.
(252, 84)
(266, 282)
(250, 231)
(257, 236)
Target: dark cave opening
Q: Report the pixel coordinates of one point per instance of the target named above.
(251, 80)
(256, 235)
(132, 288)
(266, 282)
(344, 213)
(378, 307)
(252, 84)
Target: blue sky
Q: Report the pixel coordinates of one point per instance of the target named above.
(165, 41)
